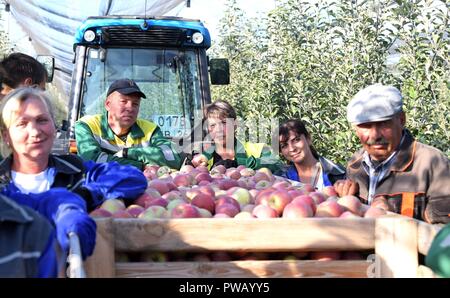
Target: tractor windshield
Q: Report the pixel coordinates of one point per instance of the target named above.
(168, 77)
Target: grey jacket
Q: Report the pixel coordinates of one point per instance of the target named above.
(27, 242)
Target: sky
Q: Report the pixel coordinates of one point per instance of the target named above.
(210, 11)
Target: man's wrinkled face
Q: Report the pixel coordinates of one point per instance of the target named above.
(380, 139)
(123, 109)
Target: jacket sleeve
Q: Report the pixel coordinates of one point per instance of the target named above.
(161, 152)
(89, 149)
(438, 193)
(65, 210)
(112, 180)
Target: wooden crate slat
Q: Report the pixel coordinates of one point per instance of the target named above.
(396, 247)
(275, 234)
(244, 269)
(102, 261)
(426, 233)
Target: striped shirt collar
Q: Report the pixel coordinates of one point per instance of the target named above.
(377, 172)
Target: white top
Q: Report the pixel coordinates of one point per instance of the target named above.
(34, 183)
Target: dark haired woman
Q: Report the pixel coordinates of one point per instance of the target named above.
(305, 164)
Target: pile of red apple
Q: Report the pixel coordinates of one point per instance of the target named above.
(232, 193)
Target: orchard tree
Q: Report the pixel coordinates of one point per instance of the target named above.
(307, 59)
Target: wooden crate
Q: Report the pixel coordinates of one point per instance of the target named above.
(396, 240)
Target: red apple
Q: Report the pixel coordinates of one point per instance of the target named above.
(135, 210)
(226, 184)
(157, 202)
(184, 211)
(184, 180)
(159, 185)
(203, 169)
(204, 201)
(186, 169)
(100, 213)
(172, 195)
(352, 204)
(263, 211)
(299, 209)
(281, 184)
(233, 174)
(307, 200)
(241, 195)
(228, 209)
(174, 203)
(318, 197)
(202, 176)
(247, 172)
(153, 212)
(204, 213)
(227, 200)
(113, 205)
(220, 169)
(152, 192)
(266, 171)
(261, 177)
(207, 190)
(329, 209)
(295, 193)
(276, 200)
(263, 184)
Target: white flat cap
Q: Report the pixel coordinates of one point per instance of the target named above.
(374, 103)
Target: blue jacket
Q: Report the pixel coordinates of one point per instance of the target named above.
(94, 182)
(331, 172)
(78, 187)
(27, 242)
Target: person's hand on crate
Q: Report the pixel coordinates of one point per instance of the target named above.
(346, 187)
(72, 219)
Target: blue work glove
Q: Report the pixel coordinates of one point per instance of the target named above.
(70, 218)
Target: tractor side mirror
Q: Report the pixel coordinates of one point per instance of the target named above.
(219, 71)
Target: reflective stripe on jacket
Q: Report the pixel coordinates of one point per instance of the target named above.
(145, 143)
(27, 242)
(251, 155)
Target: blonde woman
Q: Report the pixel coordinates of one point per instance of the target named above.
(61, 187)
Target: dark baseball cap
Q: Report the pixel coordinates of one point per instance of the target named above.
(125, 86)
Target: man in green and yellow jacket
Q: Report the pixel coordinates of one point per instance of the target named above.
(118, 135)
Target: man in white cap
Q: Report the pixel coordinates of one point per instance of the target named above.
(393, 170)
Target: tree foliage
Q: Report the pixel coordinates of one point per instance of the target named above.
(307, 59)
